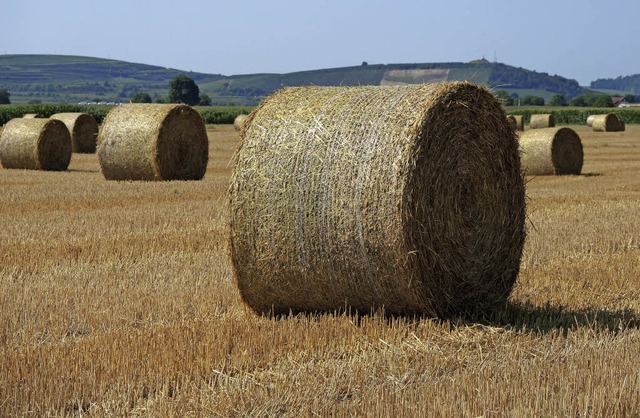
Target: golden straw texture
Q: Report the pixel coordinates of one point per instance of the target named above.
(83, 129)
(517, 121)
(542, 121)
(404, 198)
(607, 123)
(590, 120)
(35, 144)
(549, 151)
(153, 142)
(239, 121)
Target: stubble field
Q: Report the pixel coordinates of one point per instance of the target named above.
(117, 298)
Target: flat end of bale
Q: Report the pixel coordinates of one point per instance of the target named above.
(153, 142)
(371, 197)
(83, 129)
(35, 144)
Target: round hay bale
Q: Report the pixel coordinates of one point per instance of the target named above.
(517, 122)
(590, 120)
(31, 115)
(539, 121)
(239, 121)
(404, 198)
(83, 129)
(153, 142)
(606, 123)
(549, 151)
(35, 144)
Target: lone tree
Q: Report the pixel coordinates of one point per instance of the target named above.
(205, 100)
(183, 89)
(558, 100)
(4, 97)
(141, 97)
(504, 96)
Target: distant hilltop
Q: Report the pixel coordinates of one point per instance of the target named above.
(64, 78)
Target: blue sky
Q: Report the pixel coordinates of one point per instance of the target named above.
(583, 40)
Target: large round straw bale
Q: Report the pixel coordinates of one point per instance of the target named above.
(153, 142)
(31, 115)
(239, 121)
(517, 122)
(542, 121)
(607, 123)
(590, 120)
(83, 129)
(36, 144)
(550, 151)
(404, 198)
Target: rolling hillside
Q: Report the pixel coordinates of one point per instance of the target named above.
(57, 78)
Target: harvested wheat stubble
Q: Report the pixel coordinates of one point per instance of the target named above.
(153, 142)
(517, 121)
(31, 115)
(239, 121)
(539, 121)
(551, 151)
(607, 123)
(35, 144)
(83, 129)
(407, 198)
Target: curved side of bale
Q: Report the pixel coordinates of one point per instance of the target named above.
(407, 198)
(549, 151)
(83, 129)
(517, 121)
(35, 144)
(31, 115)
(590, 120)
(239, 121)
(607, 123)
(539, 121)
(153, 142)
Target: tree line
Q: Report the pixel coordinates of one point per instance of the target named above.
(584, 100)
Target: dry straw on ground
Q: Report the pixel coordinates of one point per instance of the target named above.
(539, 121)
(551, 151)
(517, 121)
(153, 142)
(607, 123)
(35, 144)
(239, 121)
(83, 129)
(31, 115)
(407, 198)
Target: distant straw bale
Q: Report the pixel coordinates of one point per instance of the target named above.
(31, 115)
(239, 121)
(542, 121)
(607, 123)
(153, 142)
(35, 144)
(83, 129)
(407, 198)
(517, 122)
(549, 151)
(590, 120)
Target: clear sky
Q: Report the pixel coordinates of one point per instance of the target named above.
(580, 39)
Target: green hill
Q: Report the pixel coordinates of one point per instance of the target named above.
(59, 78)
(621, 85)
